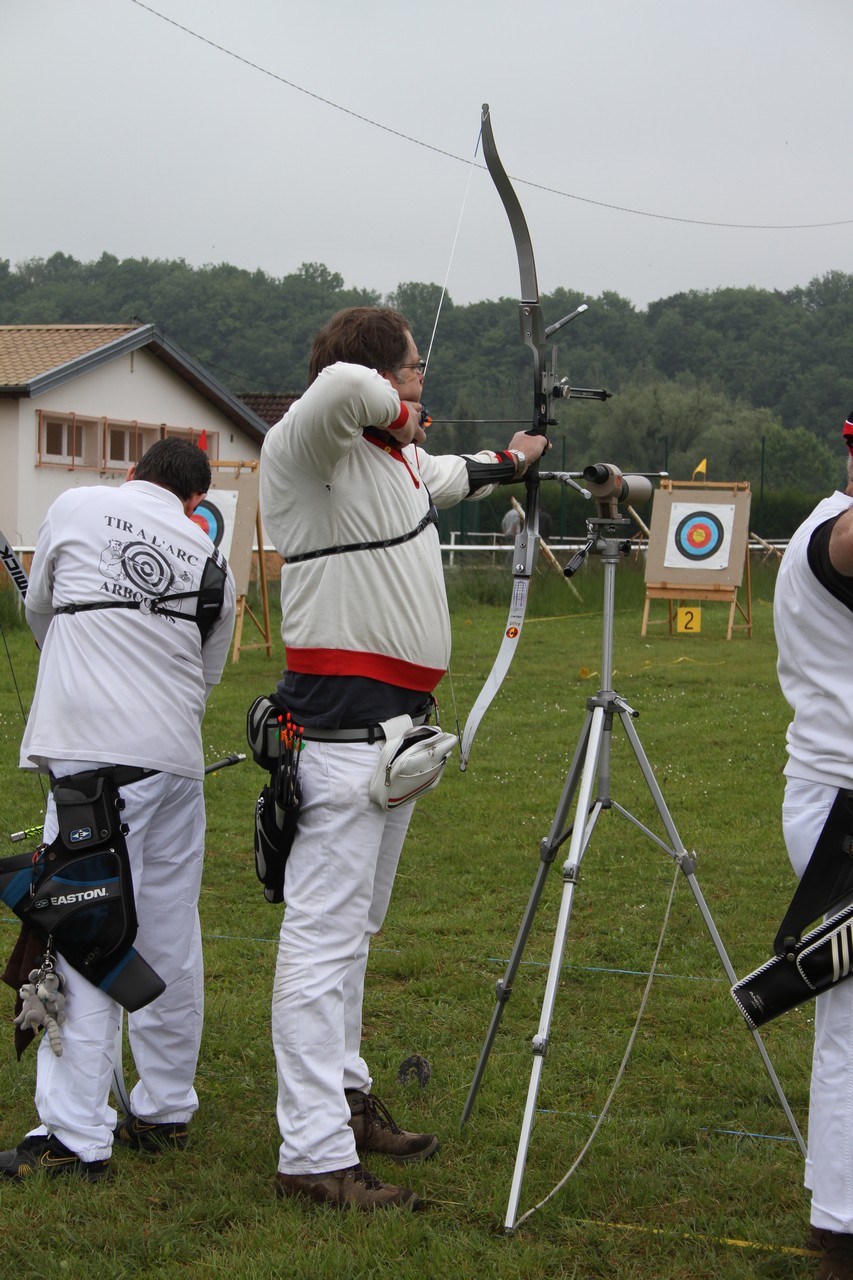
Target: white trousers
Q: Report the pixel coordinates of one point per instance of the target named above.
(165, 814)
(829, 1163)
(337, 887)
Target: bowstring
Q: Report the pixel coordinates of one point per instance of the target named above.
(442, 296)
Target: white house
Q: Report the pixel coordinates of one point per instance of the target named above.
(79, 403)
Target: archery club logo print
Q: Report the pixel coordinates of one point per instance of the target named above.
(138, 569)
(148, 570)
(699, 537)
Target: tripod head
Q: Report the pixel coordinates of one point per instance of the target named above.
(609, 532)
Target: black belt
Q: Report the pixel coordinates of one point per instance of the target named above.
(365, 733)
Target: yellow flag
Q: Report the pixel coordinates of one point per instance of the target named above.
(701, 469)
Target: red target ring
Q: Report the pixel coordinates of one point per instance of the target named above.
(699, 535)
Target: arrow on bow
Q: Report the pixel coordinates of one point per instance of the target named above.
(546, 389)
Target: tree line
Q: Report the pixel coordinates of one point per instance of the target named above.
(756, 381)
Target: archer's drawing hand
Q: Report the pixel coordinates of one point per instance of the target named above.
(411, 432)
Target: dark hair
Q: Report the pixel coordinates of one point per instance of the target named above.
(177, 465)
(373, 336)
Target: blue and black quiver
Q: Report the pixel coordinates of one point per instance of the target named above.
(77, 891)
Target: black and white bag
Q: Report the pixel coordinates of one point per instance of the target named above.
(805, 966)
(819, 961)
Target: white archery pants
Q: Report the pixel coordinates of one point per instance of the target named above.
(165, 814)
(337, 887)
(829, 1164)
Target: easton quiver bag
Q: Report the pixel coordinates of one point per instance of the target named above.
(803, 967)
(78, 892)
(275, 742)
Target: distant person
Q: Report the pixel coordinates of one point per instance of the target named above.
(347, 494)
(130, 650)
(511, 523)
(813, 616)
(544, 525)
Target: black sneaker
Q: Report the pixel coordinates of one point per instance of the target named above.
(51, 1156)
(142, 1135)
(377, 1131)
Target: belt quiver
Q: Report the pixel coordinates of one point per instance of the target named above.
(78, 890)
(803, 967)
(275, 744)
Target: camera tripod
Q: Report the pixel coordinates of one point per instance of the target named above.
(592, 763)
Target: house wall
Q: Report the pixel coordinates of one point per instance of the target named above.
(136, 386)
(9, 449)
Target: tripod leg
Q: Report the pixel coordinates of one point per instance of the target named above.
(581, 834)
(540, 1045)
(686, 863)
(548, 849)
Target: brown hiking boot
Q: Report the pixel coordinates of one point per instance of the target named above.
(376, 1130)
(354, 1188)
(836, 1253)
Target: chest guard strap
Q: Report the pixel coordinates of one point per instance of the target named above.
(430, 518)
(210, 597)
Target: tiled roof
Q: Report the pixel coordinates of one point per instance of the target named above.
(26, 351)
(271, 406)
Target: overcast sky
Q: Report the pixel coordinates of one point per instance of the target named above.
(343, 132)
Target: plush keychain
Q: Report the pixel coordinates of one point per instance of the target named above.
(43, 1006)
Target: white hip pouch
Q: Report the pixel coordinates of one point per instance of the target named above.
(410, 763)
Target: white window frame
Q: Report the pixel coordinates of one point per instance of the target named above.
(87, 442)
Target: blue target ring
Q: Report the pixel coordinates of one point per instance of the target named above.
(209, 518)
(699, 535)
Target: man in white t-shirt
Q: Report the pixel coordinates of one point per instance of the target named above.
(133, 609)
(813, 617)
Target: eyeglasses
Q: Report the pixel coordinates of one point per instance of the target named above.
(419, 365)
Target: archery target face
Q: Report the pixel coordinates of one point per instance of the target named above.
(699, 537)
(215, 514)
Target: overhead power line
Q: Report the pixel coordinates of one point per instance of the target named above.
(450, 155)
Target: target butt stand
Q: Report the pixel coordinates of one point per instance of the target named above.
(586, 795)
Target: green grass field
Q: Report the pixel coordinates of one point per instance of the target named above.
(694, 1172)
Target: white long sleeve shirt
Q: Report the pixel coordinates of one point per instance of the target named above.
(380, 613)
